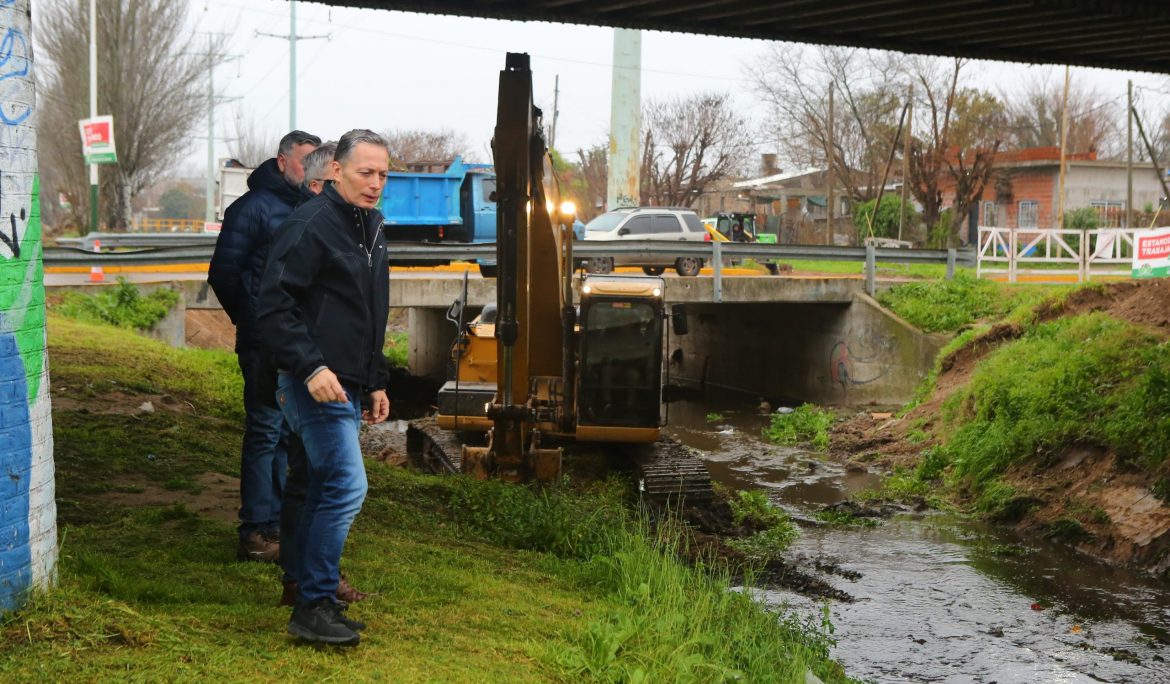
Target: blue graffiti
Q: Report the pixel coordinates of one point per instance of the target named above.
(15, 476)
(14, 62)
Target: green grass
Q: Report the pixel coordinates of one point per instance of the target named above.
(805, 425)
(714, 417)
(472, 581)
(949, 305)
(773, 530)
(884, 269)
(396, 349)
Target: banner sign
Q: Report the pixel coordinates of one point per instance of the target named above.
(97, 140)
(1151, 253)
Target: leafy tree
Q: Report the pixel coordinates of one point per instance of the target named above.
(689, 143)
(179, 203)
(885, 223)
(152, 83)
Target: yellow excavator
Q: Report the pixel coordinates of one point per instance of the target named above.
(537, 369)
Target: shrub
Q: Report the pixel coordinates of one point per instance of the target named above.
(885, 223)
(122, 306)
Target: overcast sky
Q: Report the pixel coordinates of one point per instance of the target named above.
(385, 70)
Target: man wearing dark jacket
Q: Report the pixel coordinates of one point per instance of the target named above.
(236, 266)
(323, 304)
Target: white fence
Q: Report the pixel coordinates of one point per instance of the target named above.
(1055, 255)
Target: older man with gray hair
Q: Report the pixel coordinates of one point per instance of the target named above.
(323, 305)
(318, 168)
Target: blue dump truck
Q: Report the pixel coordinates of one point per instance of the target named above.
(456, 204)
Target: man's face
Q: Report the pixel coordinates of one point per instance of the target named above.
(291, 165)
(360, 178)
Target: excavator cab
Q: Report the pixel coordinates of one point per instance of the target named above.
(619, 394)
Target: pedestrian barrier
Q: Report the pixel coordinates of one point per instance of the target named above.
(1054, 255)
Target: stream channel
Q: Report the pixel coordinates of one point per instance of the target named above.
(939, 598)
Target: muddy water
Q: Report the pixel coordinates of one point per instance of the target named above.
(940, 599)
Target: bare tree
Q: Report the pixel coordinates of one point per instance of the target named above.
(961, 129)
(1094, 120)
(594, 166)
(413, 145)
(689, 143)
(151, 83)
(870, 88)
(252, 143)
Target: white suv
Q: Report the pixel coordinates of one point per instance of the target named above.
(647, 223)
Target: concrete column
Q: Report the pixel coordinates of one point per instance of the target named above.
(28, 511)
(430, 336)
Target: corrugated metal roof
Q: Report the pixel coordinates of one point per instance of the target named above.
(1121, 34)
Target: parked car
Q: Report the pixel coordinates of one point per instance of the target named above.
(647, 223)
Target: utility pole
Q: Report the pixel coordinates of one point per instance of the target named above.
(906, 158)
(1063, 147)
(552, 135)
(625, 120)
(93, 168)
(829, 172)
(292, 39)
(1129, 157)
(209, 187)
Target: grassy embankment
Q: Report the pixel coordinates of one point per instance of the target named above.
(1042, 381)
(472, 581)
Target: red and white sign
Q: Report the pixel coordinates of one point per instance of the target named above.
(97, 140)
(1151, 253)
(209, 227)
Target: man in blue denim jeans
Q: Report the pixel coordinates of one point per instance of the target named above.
(323, 304)
(241, 251)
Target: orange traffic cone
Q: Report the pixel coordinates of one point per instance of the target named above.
(95, 272)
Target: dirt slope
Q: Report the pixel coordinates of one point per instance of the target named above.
(1117, 515)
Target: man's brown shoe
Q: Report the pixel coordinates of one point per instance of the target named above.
(347, 593)
(259, 547)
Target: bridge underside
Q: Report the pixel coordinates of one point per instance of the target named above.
(1119, 34)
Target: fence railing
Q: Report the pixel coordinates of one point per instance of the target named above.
(1051, 254)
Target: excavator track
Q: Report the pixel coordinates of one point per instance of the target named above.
(669, 473)
(666, 473)
(432, 449)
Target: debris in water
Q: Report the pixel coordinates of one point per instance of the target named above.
(1037, 606)
(784, 410)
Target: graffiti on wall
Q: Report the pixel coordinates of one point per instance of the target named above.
(845, 366)
(28, 535)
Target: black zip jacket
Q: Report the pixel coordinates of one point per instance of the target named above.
(325, 293)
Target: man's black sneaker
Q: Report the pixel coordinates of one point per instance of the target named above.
(318, 622)
(339, 611)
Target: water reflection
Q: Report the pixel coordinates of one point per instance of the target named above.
(940, 599)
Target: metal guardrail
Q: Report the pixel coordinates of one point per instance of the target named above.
(178, 252)
(133, 240)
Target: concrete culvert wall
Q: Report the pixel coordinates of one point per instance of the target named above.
(844, 354)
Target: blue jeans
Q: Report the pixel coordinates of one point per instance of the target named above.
(264, 457)
(336, 483)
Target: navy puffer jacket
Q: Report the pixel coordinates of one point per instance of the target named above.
(242, 248)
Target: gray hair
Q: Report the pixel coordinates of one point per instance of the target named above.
(317, 161)
(351, 140)
(294, 138)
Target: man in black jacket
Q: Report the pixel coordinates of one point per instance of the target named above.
(323, 304)
(240, 253)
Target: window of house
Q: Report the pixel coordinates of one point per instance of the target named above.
(1110, 213)
(1029, 214)
(991, 214)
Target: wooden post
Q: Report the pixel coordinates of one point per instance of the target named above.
(1063, 148)
(906, 158)
(1129, 157)
(829, 174)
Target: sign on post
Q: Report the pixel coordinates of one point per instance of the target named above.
(97, 140)
(1151, 253)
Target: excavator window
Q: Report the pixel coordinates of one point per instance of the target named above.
(621, 364)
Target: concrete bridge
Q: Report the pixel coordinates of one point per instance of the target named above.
(819, 339)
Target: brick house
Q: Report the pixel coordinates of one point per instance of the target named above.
(1024, 191)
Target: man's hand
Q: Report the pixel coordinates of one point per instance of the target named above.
(379, 408)
(325, 386)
